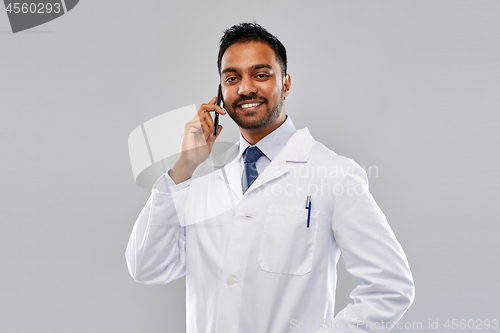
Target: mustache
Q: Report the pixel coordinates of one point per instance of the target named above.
(243, 98)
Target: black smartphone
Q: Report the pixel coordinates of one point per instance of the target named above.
(219, 100)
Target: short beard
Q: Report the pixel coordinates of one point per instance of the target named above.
(266, 120)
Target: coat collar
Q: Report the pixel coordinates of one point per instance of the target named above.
(297, 149)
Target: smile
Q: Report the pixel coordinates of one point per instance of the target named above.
(250, 105)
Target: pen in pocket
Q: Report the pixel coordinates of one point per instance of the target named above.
(308, 207)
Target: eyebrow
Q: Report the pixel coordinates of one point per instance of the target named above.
(259, 66)
(254, 67)
(229, 69)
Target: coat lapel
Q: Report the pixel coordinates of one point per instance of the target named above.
(227, 168)
(296, 150)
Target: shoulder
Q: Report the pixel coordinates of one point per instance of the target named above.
(303, 147)
(321, 155)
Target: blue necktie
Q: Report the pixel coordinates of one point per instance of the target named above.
(252, 154)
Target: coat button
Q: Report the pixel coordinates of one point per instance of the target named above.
(231, 281)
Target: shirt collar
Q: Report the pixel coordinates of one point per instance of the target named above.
(274, 142)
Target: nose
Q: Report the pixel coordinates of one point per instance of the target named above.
(247, 86)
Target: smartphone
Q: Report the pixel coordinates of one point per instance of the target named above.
(216, 119)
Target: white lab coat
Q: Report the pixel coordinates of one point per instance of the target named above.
(253, 265)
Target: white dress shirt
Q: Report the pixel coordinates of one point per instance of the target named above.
(261, 262)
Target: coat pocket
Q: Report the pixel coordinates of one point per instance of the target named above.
(287, 244)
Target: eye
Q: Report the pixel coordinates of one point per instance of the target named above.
(230, 79)
(262, 76)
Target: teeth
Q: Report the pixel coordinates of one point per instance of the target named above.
(244, 106)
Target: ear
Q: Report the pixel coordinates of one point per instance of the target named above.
(287, 83)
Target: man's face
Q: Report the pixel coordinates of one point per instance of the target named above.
(252, 86)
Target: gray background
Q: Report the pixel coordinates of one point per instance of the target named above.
(410, 87)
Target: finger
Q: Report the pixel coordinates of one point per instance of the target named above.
(206, 118)
(206, 130)
(219, 129)
(204, 105)
(213, 100)
(207, 108)
(220, 110)
(212, 137)
(211, 103)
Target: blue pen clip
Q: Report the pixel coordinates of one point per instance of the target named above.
(308, 207)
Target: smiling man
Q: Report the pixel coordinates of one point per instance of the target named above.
(259, 237)
(250, 68)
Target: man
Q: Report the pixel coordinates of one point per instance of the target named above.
(259, 237)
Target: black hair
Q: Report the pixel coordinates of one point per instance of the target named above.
(251, 32)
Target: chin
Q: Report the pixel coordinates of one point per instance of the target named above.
(253, 126)
(256, 121)
(257, 124)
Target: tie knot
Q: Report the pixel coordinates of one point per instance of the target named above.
(252, 154)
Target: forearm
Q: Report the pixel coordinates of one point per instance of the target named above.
(156, 249)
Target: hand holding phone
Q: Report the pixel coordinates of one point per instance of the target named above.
(197, 140)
